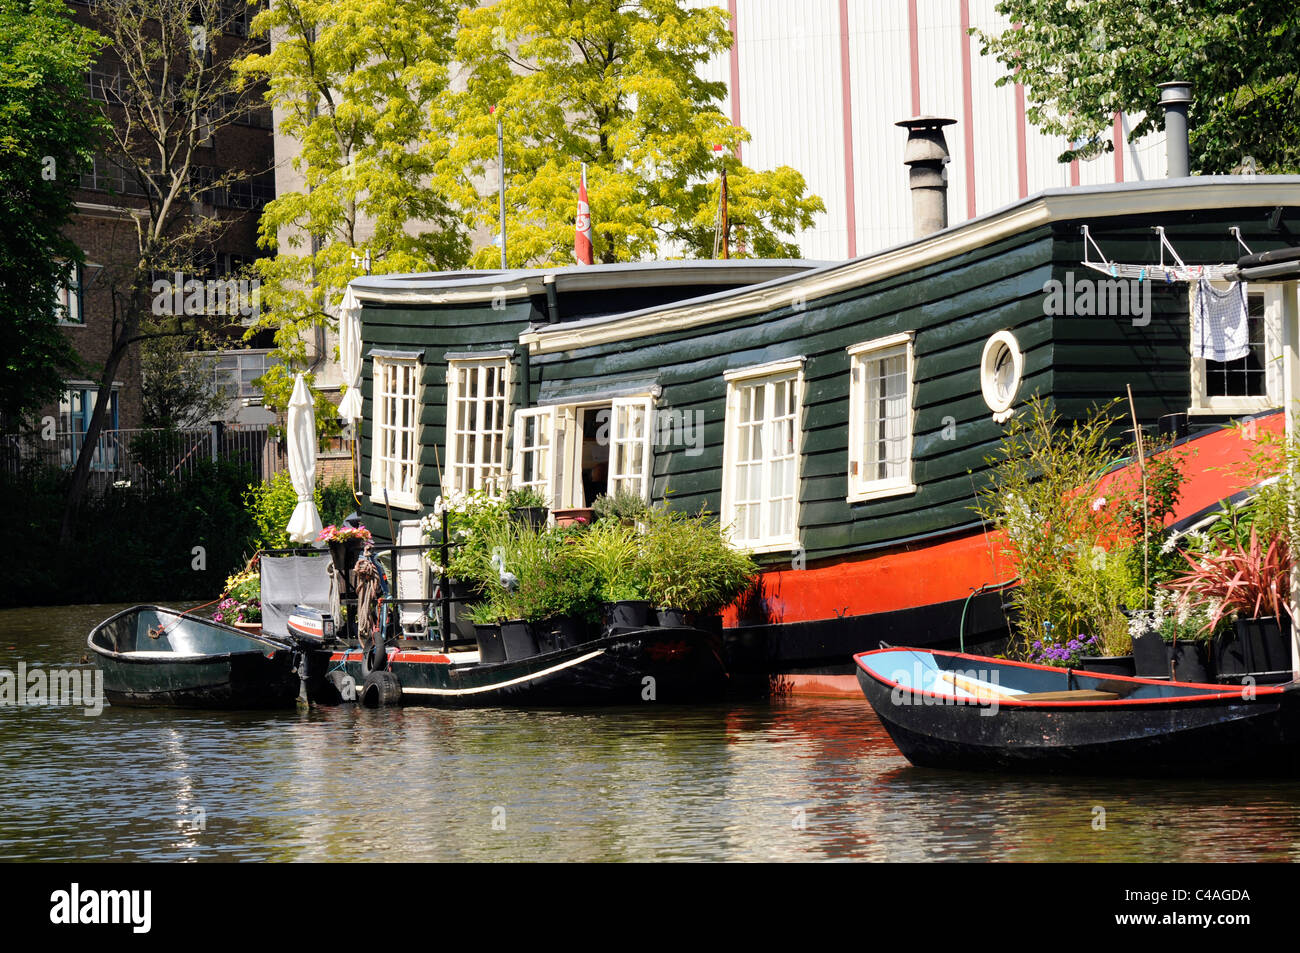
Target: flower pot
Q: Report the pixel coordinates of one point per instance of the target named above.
(1150, 656)
(670, 618)
(345, 553)
(628, 614)
(1258, 648)
(1108, 664)
(462, 594)
(490, 646)
(1191, 661)
(708, 623)
(254, 627)
(517, 637)
(580, 514)
(534, 516)
(558, 633)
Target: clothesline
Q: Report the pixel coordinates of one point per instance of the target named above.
(1174, 270)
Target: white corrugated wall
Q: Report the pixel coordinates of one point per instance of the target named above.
(792, 78)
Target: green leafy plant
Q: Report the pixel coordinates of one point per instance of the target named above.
(626, 505)
(613, 551)
(689, 564)
(271, 504)
(524, 498)
(1065, 537)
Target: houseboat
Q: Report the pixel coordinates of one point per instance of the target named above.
(838, 417)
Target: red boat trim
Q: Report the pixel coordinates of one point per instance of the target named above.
(401, 655)
(1220, 693)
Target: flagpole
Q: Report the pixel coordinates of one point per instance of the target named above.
(723, 196)
(501, 178)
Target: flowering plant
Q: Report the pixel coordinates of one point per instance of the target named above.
(339, 534)
(1047, 651)
(241, 601)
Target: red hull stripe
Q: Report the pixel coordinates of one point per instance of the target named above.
(401, 655)
(924, 574)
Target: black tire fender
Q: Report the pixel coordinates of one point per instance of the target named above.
(381, 690)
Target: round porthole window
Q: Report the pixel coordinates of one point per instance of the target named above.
(1000, 369)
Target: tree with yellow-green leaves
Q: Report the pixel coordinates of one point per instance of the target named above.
(615, 84)
(355, 82)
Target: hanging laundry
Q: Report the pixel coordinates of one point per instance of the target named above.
(1220, 331)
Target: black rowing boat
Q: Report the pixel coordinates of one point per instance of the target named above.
(950, 710)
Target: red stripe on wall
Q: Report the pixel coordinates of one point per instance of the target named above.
(914, 47)
(1022, 150)
(846, 98)
(968, 108)
(735, 69)
(1118, 135)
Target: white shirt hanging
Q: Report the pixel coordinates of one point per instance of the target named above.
(1220, 331)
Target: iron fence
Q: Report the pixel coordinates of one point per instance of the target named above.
(146, 457)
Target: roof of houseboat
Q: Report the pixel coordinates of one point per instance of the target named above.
(757, 285)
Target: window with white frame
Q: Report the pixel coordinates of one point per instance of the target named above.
(629, 446)
(880, 418)
(1248, 384)
(534, 463)
(70, 299)
(477, 405)
(760, 473)
(396, 446)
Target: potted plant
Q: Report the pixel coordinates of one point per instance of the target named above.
(485, 618)
(527, 504)
(626, 506)
(613, 551)
(691, 571)
(241, 601)
(1249, 584)
(347, 543)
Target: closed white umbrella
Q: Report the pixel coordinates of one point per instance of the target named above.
(350, 354)
(304, 526)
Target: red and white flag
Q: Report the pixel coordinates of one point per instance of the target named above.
(582, 224)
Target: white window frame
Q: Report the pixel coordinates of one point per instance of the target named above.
(543, 452)
(71, 304)
(1202, 403)
(621, 415)
(770, 539)
(386, 468)
(485, 472)
(862, 356)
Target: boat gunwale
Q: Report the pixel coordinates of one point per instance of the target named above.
(1215, 693)
(205, 658)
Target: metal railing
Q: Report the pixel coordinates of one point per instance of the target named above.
(145, 457)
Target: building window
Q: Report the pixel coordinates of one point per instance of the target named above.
(760, 476)
(396, 447)
(534, 463)
(880, 418)
(629, 447)
(76, 407)
(70, 297)
(234, 373)
(477, 401)
(1248, 384)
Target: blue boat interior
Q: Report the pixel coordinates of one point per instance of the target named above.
(985, 678)
(148, 631)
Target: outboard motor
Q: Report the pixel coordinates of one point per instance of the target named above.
(309, 630)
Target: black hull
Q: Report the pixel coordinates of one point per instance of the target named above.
(234, 682)
(1194, 738)
(634, 668)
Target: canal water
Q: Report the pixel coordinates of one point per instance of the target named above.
(781, 781)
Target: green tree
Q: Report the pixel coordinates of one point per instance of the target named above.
(617, 85)
(48, 128)
(178, 392)
(1082, 61)
(354, 81)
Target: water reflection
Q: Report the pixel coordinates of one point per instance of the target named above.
(788, 781)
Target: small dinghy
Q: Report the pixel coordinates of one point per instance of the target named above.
(155, 656)
(949, 710)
